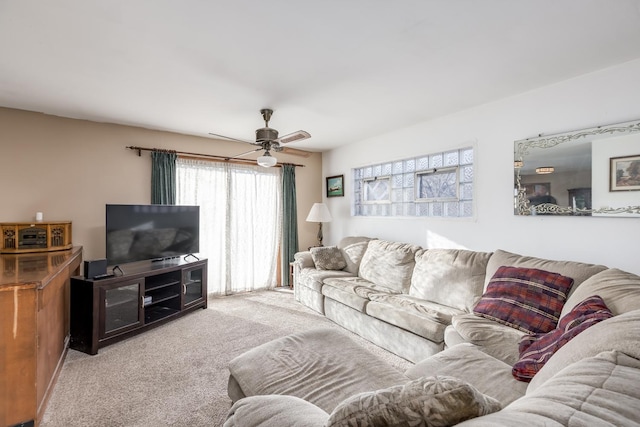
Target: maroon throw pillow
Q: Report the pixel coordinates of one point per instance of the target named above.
(537, 349)
(527, 299)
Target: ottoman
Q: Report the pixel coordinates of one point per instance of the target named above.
(321, 366)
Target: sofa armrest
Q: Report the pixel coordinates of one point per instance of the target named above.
(303, 260)
(275, 410)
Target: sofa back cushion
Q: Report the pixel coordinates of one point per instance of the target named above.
(619, 289)
(451, 277)
(597, 391)
(617, 333)
(353, 249)
(389, 264)
(578, 271)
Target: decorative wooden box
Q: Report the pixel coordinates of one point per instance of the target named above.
(23, 237)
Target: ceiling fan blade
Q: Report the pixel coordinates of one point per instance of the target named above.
(295, 152)
(294, 136)
(232, 139)
(244, 154)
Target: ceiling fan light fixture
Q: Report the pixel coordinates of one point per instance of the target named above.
(267, 160)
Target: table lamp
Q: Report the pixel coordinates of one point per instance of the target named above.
(319, 213)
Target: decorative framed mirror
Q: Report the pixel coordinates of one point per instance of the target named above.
(590, 172)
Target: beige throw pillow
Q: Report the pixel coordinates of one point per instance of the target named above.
(423, 402)
(328, 258)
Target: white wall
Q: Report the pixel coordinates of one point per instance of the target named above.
(605, 97)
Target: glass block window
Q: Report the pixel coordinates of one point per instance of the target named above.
(432, 185)
(377, 190)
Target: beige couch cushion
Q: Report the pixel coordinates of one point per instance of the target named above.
(312, 278)
(498, 340)
(424, 308)
(423, 402)
(275, 410)
(321, 366)
(619, 333)
(389, 264)
(451, 277)
(479, 369)
(452, 337)
(619, 289)
(353, 249)
(349, 292)
(598, 391)
(352, 291)
(423, 318)
(303, 260)
(578, 271)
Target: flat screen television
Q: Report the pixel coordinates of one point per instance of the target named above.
(151, 232)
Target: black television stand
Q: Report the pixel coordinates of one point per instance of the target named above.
(146, 295)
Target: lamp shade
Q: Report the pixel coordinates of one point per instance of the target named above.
(319, 213)
(267, 160)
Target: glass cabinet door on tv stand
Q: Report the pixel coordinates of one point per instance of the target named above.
(121, 304)
(194, 285)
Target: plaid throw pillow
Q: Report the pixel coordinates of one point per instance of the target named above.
(328, 258)
(536, 349)
(527, 299)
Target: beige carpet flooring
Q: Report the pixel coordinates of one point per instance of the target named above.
(176, 374)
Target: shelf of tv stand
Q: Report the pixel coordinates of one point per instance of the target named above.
(145, 295)
(153, 287)
(159, 297)
(158, 312)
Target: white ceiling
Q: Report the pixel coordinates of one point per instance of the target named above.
(343, 70)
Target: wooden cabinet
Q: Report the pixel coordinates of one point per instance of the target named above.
(34, 330)
(145, 295)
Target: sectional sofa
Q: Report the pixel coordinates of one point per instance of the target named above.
(515, 339)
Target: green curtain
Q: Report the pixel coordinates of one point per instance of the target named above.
(163, 177)
(289, 220)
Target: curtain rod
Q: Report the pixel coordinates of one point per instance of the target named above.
(186, 154)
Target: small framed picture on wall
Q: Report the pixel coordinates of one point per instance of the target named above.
(625, 173)
(335, 186)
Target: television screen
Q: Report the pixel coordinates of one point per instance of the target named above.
(149, 232)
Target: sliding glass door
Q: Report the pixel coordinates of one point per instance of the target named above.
(240, 217)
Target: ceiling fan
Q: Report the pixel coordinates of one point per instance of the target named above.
(267, 139)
